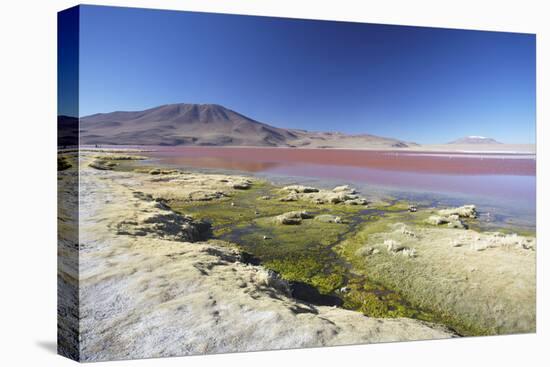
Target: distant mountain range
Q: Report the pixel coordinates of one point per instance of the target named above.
(211, 125)
(474, 139)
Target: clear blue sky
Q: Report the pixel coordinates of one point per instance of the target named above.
(418, 84)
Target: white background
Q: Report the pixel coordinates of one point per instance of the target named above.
(28, 180)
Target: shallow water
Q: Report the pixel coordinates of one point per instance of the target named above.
(503, 186)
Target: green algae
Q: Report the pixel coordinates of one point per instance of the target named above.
(325, 277)
(393, 206)
(303, 253)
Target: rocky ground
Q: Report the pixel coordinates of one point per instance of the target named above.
(153, 285)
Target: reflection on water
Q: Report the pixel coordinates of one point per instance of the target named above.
(229, 163)
(502, 185)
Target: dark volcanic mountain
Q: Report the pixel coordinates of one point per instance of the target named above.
(474, 140)
(208, 124)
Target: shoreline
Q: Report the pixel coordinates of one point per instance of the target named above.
(200, 296)
(485, 182)
(472, 149)
(167, 188)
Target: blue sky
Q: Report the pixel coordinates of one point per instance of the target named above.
(419, 84)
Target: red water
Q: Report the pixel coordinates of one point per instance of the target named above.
(491, 174)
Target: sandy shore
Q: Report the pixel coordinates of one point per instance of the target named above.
(148, 289)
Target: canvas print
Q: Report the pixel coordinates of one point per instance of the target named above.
(232, 183)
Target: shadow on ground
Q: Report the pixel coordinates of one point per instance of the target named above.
(47, 345)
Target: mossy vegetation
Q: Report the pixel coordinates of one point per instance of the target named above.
(373, 300)
(302, 253)
(410, 279)
(326, 277)
(391, 206)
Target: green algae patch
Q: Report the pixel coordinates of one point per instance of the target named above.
(237, 209)
(300, 253)
(257, 206)
(303, 253)
(374, 300)
(392, 206)
(325, 277)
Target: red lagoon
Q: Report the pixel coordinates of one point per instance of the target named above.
(487, 174)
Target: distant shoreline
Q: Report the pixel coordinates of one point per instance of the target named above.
(471, 149)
